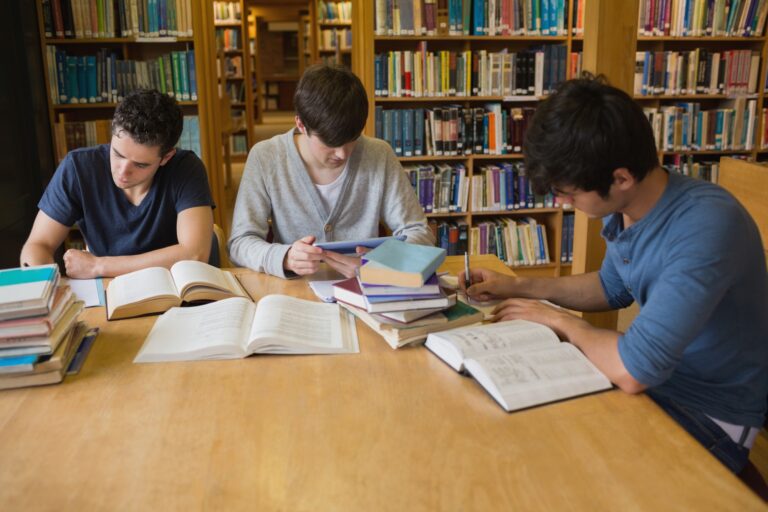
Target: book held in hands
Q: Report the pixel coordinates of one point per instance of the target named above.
(519, 363)
(157, 289)
(236, 328)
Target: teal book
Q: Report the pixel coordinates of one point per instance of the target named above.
(398, 263)
(27, 291)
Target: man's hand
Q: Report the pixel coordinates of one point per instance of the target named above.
(344, 265)
(488, 285)
(303, 258)
(533, 310)
(81, 264)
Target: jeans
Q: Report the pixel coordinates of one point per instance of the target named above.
(706, 432)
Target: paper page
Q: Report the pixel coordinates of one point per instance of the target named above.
(140, 285)
(324, 289)
(188, 272)
(532, 377)
(290, 325)
(213, 331)
(90, 291)
(499, 337)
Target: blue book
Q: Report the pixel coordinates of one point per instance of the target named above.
(82, 78)
(399, 263)
(92, 82)
(17, 364)
(377, 116)
(418, 131)
(72, 91)
(479, 16)
(407, 132)
(397, 131)
(192, 75)
(61, 75)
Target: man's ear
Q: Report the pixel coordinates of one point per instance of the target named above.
(300, 125)
(623, 179)
(168, 156)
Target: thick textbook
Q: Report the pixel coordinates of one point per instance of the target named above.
(157, 289)
(236, 328)
(397, 334)
(27, 291)
(397, 263)
(349, 292)
(521, 364)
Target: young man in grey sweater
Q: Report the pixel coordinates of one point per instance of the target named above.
(321, 182)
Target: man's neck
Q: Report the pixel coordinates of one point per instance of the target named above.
(137, 194)
(649, 192)
(318, 173)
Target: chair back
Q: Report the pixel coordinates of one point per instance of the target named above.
(748, 182)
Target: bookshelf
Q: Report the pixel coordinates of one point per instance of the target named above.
(331, 32)
(701, 78)
(255, 79)
(93, 57)
(234, 65)
(429, 68)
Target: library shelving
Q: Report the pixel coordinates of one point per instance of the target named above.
(331, 32)
(452, 90)
(234, 65)
(700, 76)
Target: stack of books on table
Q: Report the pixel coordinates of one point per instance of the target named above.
(398, 295)
(39, 331)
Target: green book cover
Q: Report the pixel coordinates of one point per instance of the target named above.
(176, 73)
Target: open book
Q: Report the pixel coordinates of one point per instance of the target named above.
(236, 328)
(157, 289)
(521, 364)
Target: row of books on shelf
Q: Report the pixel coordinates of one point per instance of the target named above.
(228, 39)
(471, 17)
(335, 39)
(227, 11)
(236, 91)
(695, 18)
(452, 236)
(238, 144)
(504, 186)
(233, 66)
(422, 73)
(518, 242)
(105, 77)
(453, 130)
(82, 134)
(117, 18)
(440, 188)
(698, 71)
(686, 126)
(39, 330)
(687, 166)
(334, 11)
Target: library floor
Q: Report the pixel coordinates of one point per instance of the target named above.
(759, 454)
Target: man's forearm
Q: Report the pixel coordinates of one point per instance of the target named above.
(111, 266)
(581, 292)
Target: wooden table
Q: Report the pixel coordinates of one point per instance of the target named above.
(379, 430)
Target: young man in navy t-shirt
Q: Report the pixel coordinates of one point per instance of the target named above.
(684, 249)
(138, 201)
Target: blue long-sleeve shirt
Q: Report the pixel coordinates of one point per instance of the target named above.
(695, 265)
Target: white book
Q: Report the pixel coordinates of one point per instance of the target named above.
(519, 363)
(236, 328)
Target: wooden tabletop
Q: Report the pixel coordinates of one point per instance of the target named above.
(380, 430)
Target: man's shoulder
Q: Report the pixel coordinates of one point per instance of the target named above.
(84, 157)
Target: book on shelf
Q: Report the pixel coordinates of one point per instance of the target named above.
(157, 289)
(697, 18)
(398, 263)
(48, 369)
(119, 18)
(399, 334)
(349, 292)
(236, 328)
(520, 364)
(27, 291)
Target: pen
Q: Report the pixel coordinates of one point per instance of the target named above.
(467, 280)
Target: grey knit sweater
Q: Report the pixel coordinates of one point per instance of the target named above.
(276, 185)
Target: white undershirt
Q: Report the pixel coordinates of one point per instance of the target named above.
(329, 193)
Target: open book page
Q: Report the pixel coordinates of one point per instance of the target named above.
(289, 325)
(189, 273)
(531, 377)
(215, 331)
(458, 344)
(141, 285)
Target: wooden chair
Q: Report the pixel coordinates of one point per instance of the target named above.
(748, 182)
(221, 242)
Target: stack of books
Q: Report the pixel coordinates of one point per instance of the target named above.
(397, 294)
(39, 331)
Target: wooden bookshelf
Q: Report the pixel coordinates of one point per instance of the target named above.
(231, 25)
(196, 20)
(368, 44)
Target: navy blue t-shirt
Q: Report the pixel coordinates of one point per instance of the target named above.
(82, 192)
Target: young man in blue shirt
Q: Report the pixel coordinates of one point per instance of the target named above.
(138, 201)
(684, 249)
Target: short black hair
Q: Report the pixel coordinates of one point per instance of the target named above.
(151, 118)
(332, 104)
(583, 132)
